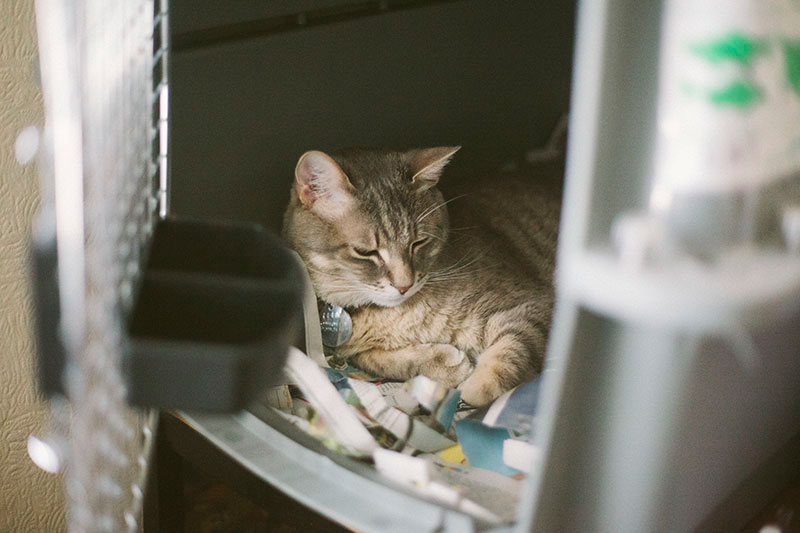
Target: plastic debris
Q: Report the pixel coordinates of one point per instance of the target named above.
(520, 454)
(409, 430)
(483, 494)
(323, 396)
(516, 409)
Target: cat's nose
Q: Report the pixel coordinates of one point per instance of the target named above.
(401, 276)
(402, 289)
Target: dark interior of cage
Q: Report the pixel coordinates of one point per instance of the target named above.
(253, 86)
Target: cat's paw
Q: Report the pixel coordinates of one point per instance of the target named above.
(481, 388)
(448, 365)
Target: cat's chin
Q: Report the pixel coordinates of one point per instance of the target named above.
(367, 298)
(394, 300)
(389, 301)
(378, 300)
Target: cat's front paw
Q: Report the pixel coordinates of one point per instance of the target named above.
(448, 365)
(481, 388)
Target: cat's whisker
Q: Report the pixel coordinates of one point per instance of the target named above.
(462, 233)
(471, 265)
(454, 264)
(453, 277)
(340, 280)
(324, 272)
(341, 286)
(464, 271)
(434, 208)
(469, 276)
(456, 267)
(462, 228)
(330, 275)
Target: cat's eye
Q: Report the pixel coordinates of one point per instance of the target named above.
(420, 242)
(363, 253)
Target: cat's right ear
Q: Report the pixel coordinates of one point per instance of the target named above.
(322, 186)
(428, 163)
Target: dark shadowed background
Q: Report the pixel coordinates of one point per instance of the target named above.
(251, 89)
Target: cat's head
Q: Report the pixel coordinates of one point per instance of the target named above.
(368, 223)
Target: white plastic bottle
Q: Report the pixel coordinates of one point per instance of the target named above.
(727, 151)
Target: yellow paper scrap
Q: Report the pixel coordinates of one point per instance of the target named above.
(454, 454)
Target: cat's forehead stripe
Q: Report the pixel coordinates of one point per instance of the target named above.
(386, 199)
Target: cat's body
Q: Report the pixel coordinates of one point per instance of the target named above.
(470, 305)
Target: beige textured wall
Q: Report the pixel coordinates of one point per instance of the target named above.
(30, 499)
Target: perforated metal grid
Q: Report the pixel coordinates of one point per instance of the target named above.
(103, 168)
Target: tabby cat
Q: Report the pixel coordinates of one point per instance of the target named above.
(458, 290)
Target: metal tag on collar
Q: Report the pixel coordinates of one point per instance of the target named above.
(337, 327)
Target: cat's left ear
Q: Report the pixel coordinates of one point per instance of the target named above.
(322, 186)
(427, 165)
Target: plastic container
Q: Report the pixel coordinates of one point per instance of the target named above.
(216, 309)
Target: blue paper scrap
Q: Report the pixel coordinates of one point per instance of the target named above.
(483, 445)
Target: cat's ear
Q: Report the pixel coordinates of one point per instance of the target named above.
(321, 185)
(427, 165)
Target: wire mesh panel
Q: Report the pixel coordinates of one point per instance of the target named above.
(103, 172)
